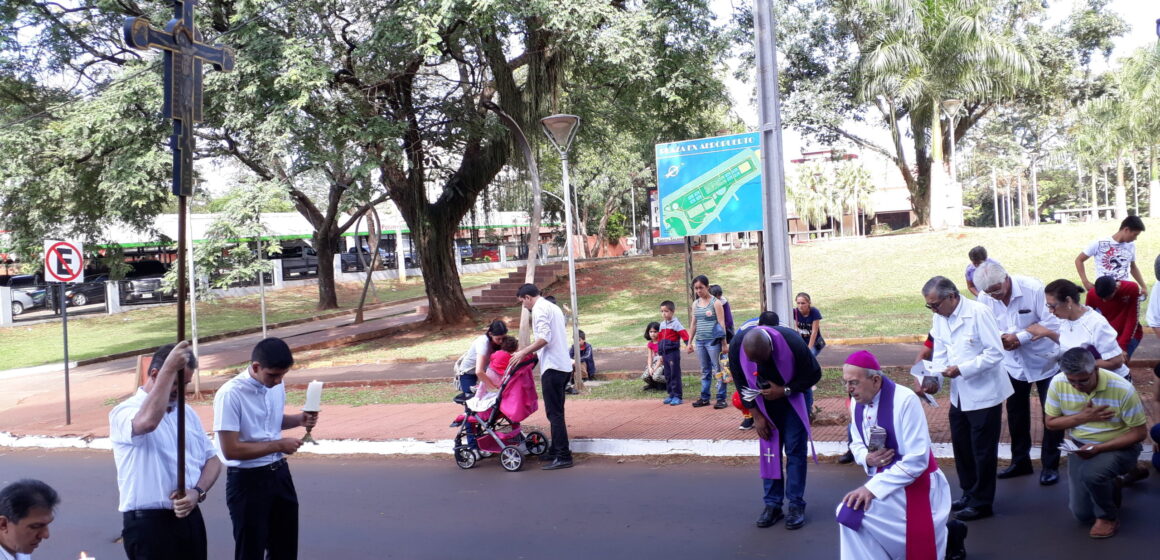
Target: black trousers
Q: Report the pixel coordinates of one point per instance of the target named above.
(552, 384)
(264, 509)
(1019, 424)
(975, 441)
(157, 534)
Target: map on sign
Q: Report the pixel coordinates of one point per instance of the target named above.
(711, 185)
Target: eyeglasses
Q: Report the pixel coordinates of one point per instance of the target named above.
(994, 290)
(849, 384)
(933, 307)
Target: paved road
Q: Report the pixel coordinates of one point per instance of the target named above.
(418, 509)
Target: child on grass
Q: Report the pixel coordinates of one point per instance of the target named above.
(669, 346)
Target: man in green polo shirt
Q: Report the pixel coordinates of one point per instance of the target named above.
(1104, 417)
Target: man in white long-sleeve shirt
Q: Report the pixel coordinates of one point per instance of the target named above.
(551, 345)
(1019, 302)
(902, 510)
(969, 352)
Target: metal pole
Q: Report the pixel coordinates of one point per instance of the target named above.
(578, 380)
(777, 265)
(181, 242)
(64, 324)
(632, 207)
(262, 289)
(995, 195)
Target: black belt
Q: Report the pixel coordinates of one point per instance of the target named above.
(148, 514)
(271, 467)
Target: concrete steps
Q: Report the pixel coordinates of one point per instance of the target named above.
(503, 292)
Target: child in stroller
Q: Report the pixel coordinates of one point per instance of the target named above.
(491, 419)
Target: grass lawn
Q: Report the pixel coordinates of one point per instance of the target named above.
(100, 335)
(863, 287)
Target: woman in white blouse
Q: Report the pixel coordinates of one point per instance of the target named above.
(1080, 325)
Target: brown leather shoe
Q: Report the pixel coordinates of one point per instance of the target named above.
(1103, 529)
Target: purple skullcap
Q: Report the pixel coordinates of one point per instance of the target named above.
(863, 359)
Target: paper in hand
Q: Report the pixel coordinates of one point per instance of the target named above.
(1068, 446)
(921, 372)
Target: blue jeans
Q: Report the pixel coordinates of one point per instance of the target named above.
(1156, 438)
(467, 381)
(1133, 343)
(792, 485)
(709, 352)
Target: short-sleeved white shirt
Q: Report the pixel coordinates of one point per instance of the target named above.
(253, 410)
(1091, 328)
(480, 351)
(548, 324)
(1112, 258)
(145, 463)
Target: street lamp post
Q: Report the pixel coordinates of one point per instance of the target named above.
(561, 129)
(951, 108)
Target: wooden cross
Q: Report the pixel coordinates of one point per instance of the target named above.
(184, 54)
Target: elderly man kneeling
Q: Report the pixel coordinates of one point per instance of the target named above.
(902, 511)
(1103, 415)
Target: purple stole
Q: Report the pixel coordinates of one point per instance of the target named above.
(770, 449)
(920, 536)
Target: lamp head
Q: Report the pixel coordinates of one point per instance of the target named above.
(561, 129)
(951, 107)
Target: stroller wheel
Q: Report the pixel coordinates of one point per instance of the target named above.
(511, 459)
(464, 457)
(536, 442)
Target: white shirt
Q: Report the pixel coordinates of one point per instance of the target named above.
(969, 339)
(1152, 317)
(1091, 328)
(548, 324)
(480, 350)
(145, 463)
(1112, 257)
(253, 410)
(5, 555)
(1033, 359)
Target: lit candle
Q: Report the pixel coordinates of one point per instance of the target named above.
(85, 556)
(313, 397)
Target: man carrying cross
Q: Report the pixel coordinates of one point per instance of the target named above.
(773, 367)
(902, 510)
(158, 523)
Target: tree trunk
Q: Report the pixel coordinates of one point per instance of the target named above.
(1095, 196)
(1121, 190)
(1153, 184)
(447, 304)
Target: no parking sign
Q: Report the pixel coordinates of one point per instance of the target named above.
(64, 261)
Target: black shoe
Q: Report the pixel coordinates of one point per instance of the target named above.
(746, 424)
(769, 516)
(461, 398)
(546, 458)
(960, 504)
(1015, 469)
(846, 458)
(956, 540)
(974, 512)
(558, 464)
(720, 404)
(700, 402)
(571, 390)
(1048, 477)
(795, 519)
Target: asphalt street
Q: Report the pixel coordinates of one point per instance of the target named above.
(427, 508)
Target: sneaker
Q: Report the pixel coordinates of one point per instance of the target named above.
(746, 424)
(700, 402)
(720, 404)
(675, 401)
(571, 390)
(668, 400)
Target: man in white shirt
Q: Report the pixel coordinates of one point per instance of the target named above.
(1114, 256)
(26, 511)
(1018, 302)
(967, 345)
(157, 522)
(551, 346)
(249, 418)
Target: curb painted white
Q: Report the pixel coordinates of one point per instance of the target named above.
(608, 447)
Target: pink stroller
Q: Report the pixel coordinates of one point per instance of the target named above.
(493, 427)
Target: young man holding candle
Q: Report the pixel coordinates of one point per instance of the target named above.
(249, 418)
(143, 430)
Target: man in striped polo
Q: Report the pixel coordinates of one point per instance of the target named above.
(1105, 419)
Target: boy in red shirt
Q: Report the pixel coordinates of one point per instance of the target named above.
(1119, 302)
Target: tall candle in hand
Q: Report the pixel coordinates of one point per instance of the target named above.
(313, 397)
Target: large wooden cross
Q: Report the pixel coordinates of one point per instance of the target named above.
(184, 54)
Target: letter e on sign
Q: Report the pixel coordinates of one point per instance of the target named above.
(64, 261)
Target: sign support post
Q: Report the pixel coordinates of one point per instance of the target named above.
(64, 263)
(64, 327)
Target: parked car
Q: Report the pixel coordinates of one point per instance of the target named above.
(298, 260)
(352, 259)
(92, 290)
(144, 282)
(21, 302)
(465, 250)
(27, 293)
(487, 252)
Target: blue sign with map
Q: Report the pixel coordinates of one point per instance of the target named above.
(711, 185)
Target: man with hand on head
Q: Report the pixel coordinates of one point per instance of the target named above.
(25, 514)
(249, 418)
(156, 521)
(902, 511)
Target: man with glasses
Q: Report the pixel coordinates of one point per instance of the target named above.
(1103, 415)
(969, 352)
(1018, 302)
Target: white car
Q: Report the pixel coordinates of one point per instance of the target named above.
(20, 302)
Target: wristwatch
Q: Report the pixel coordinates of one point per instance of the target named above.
(787, 391)
(200, 494)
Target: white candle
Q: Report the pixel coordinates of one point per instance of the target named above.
(313, 397)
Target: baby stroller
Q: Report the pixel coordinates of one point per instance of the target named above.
(494, 425)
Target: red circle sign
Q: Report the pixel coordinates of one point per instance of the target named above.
(63, 262)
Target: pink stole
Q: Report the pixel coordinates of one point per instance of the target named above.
(770, 450)
(921, 543)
